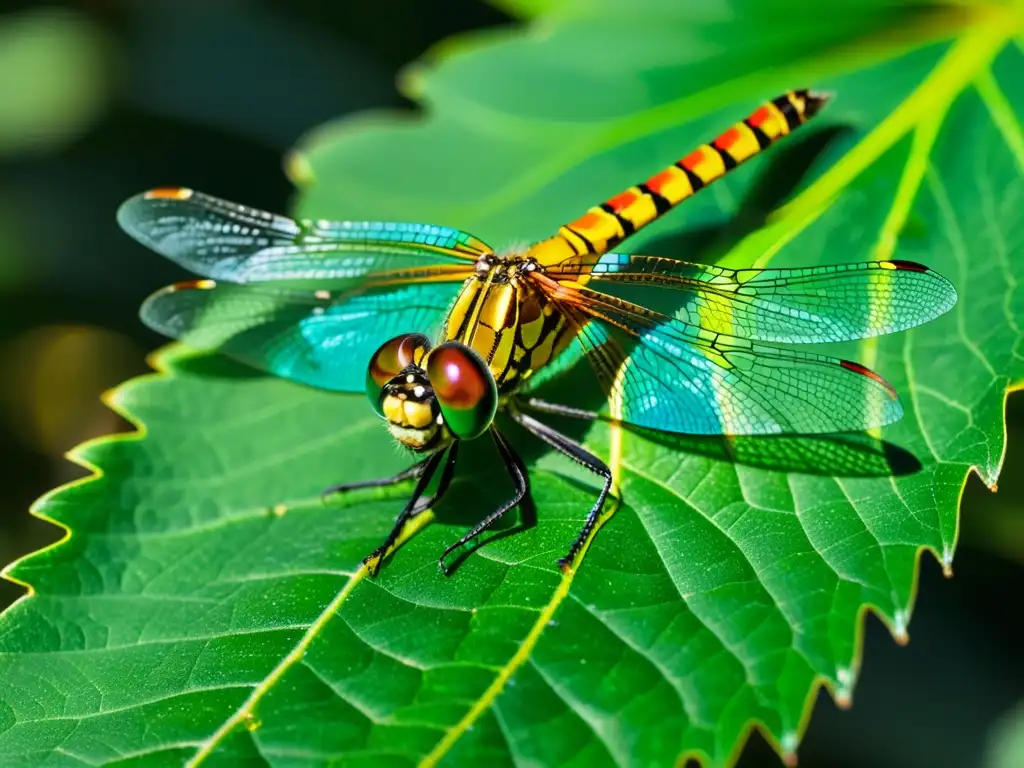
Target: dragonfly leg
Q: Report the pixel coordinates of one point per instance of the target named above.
(416, 503)
(446, 478)
(424, 502)
(517, 471)
(558, 409)
(581, 456)
(379, 482)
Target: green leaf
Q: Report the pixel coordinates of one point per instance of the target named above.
(207, 607)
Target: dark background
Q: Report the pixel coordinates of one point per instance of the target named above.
(211, 95)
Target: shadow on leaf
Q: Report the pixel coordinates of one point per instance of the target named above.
(216, 366)
(518, 520)
(852, 454)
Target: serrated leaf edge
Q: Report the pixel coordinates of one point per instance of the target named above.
(979, 47)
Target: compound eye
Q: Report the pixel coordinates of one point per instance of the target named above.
(464, 388)
(391, 359)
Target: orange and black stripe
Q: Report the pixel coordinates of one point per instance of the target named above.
(603, 227)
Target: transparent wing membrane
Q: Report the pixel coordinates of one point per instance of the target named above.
(312, 301)
(225, 241)
(817, 304)
(682, 378)
(308, 337)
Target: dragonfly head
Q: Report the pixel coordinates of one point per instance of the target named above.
(430, 397)
(400, 392)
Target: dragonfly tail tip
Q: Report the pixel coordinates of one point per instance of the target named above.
(816, 100)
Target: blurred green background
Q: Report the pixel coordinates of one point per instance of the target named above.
(103, 98)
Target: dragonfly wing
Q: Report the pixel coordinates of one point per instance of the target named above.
(682, 378)
(325, 343)
(815, 304)
(735, 387)
(226, 241)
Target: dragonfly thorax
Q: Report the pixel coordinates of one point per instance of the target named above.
(502, 314)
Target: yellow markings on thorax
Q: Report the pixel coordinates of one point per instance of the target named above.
(495, 331)
(455, 323)
(498, 310)
(531, 319)
(484, 318)
(169, 193)
(477, 297)
(508, 322)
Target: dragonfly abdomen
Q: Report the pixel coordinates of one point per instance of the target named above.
(605, 226)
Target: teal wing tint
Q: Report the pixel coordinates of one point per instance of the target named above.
(311, 337)
(677, 377)
(734, 387)
(225, 241)
(816, 304)
(306, 300)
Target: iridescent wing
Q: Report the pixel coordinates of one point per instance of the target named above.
(229, 242)
(312, 337)
(679, 377)
(699, 371)
(306, 300)
(814, 304)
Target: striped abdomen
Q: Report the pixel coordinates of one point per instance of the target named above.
(603, 227)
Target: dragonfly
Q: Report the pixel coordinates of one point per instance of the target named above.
(441, 331)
